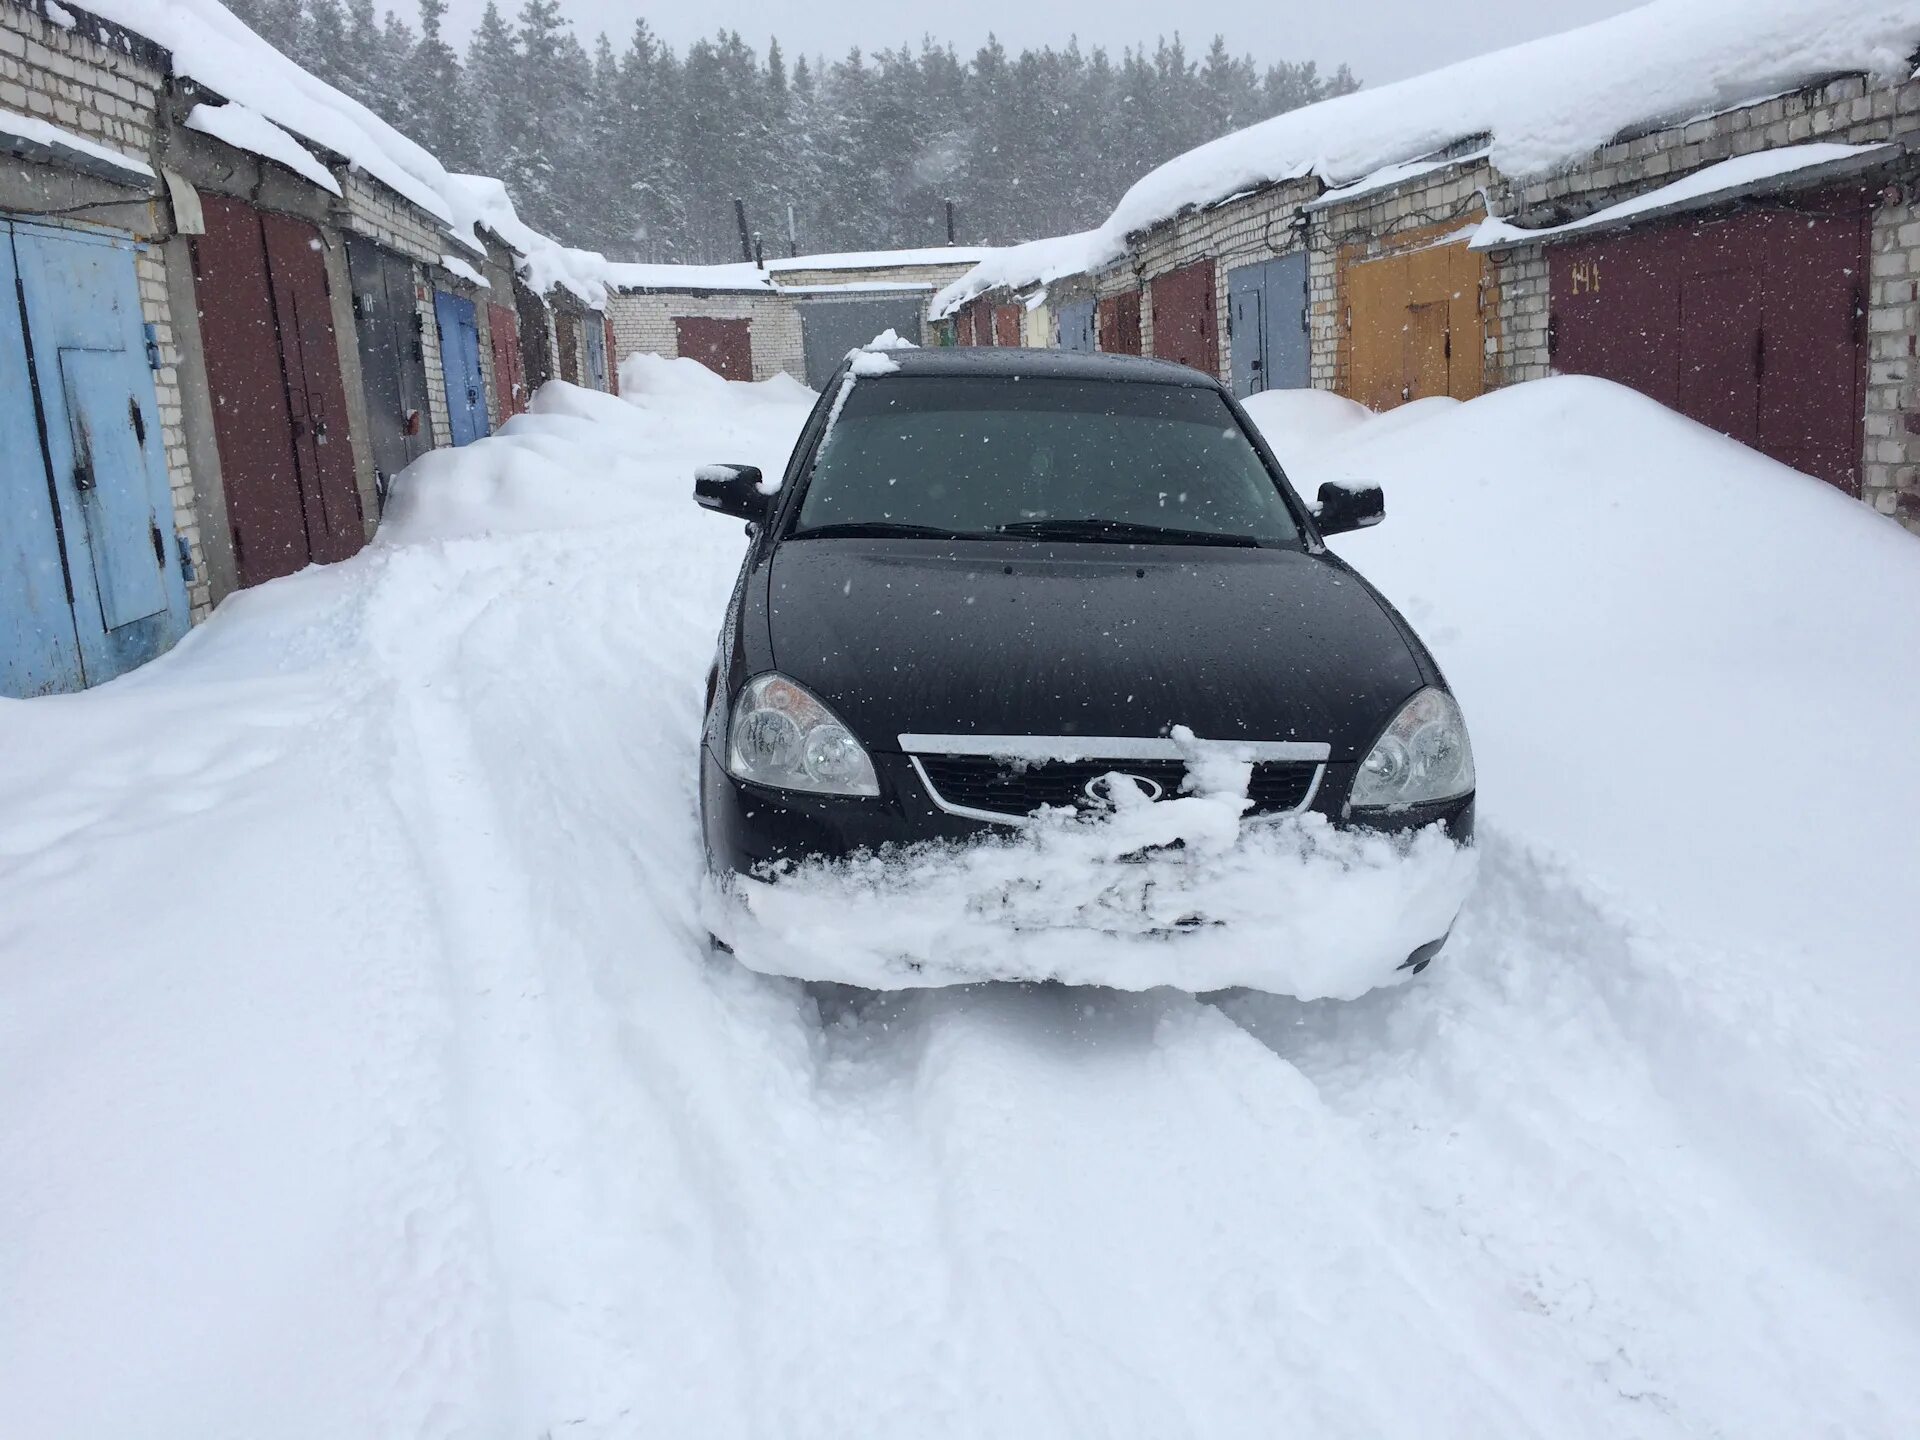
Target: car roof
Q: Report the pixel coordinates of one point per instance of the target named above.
(1062, 364)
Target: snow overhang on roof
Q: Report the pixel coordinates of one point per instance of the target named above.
(1547, 103)
(1791, 167)
(1389, 177)
(740, 277)
(30, 138)
(213, 48)
(1037, 262)
(234, 124)
(860, 289)
(886, 259)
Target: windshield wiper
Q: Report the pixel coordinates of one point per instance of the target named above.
(1120, 530)
(883, 530)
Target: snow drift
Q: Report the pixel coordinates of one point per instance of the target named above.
(364, 1069)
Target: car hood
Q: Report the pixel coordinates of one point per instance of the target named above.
(1028, 638)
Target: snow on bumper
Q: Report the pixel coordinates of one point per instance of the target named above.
(1179, 892)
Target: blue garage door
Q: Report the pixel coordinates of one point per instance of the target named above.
(1076, 326)
(1267, 325)
(460, 363)
(90, 571)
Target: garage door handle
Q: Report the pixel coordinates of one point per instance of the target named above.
(473, 396)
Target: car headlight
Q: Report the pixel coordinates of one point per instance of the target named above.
(783, 737)
(1423, 756)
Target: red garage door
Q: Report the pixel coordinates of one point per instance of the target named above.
(1006, 325)
(509, 383)
(723, 346)
(279, 407)
(1186, 328)
(1120, 324)
(1752, 323)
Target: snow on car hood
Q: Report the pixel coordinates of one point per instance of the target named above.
(1021, 638)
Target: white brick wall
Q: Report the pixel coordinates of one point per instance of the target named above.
(1890, 469)
(643, 325)
(1254, 227)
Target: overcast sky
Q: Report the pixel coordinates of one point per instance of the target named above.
(1381, 39)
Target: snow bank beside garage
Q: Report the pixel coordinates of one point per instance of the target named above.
(1688, 670)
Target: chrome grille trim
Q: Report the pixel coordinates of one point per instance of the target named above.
(1000, 817)
(1109, 747)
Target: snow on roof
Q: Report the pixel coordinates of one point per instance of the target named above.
(29, 133)
(1388, 176)
(1546, 103)
(1540, 106)
(1727, 178)
(1034, 263)
(213, 47)
(460, 269)
(739, 275)
(861, 287)
(251, 131)
(481, 202)
(885, 259)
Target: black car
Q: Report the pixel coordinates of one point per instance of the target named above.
(995, 580)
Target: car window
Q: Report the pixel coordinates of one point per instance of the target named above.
(988, 455)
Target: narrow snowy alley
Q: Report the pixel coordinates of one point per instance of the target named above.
(423, 1108)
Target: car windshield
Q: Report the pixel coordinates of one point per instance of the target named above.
(971, 457)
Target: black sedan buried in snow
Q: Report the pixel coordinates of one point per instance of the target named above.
(996, 580)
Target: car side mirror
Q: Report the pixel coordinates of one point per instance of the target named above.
(1349, 505)
(732, 490)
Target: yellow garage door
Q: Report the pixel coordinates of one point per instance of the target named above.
(1415, 325)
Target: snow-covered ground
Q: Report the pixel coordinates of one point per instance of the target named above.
(364, 1071)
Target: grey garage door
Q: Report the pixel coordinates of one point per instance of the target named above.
(831, 327)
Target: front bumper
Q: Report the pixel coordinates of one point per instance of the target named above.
(750, 826)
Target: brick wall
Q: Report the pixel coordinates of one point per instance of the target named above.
(643, 324)
(102, 83)
(1259, 226)
(1890, 472)
(89, 77)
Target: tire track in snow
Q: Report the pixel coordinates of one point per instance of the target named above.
(1526, 1098)
(1479, 1205)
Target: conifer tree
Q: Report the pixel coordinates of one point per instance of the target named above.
(641, 152)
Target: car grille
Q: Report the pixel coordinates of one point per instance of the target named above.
(1017, 788)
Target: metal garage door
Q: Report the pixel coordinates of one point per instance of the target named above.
(1752, 323)
(1186, 328)
(723, 346)
(1120, 324)
(90, 579)
(510, 383)
(392, 361)
(830, 327)
(279, 407)
(459, 326)
(1076, 326)
(1267, 324)
(1415, 325)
